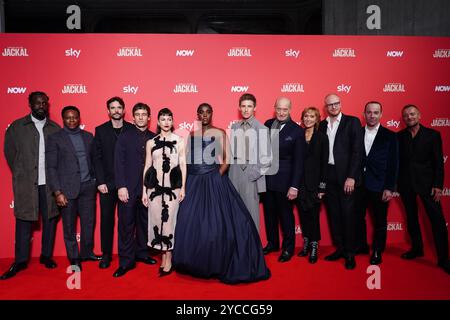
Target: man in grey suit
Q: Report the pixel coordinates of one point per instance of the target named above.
(72, 181)
(250, 145)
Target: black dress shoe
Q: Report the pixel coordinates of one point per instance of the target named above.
(92, 257)
(270, 248)
(285, 256)
(335, 256)
(146, 260)
(122, 271)
(163, 273)
(13, 270)
(375, 258)
(314, 252)
(350, 263)
(445, 265)
(363, 250)
(76, 265)
(48, 262)
(412, 254)
(105, 262)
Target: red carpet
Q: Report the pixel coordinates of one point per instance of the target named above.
(294, 280)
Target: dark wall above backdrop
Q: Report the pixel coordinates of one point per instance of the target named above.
(168, 16)
(342, 17)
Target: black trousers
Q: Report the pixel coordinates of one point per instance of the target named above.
(310, 222)
(84, 206)
(341, 213)
(24, 228)
(133, 231)
(373, 201)
(108, 203)
(278, 209)
(436, 216)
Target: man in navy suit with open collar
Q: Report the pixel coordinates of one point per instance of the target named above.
(129, 160)
(379, 179)
(344, 176)
(284, 186)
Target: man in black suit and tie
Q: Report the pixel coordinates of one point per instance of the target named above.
(284, 186)
(72, 181)
(422, 174)
(104, 148)
(129, 161)
(379, 179)
(344, 172)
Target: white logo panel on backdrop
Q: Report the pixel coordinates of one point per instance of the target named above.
(72, 53)
(185, 88)
(15, 52)
(292, 87)
(129, 52)
(130, 89)
(394, 54)
(441, 88)
(292, 53)
(440, 122)
(185, 53)
(441, 53)
(344, 53)
(394, 87)
(239, 52)
(16, 90)
(71, 88)
(344, 88)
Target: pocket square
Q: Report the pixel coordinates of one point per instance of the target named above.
(288, 138)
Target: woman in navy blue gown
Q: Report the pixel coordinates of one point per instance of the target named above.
(216, 236)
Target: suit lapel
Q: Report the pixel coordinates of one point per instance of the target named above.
(338, 132)
(68, 142)
(378, 140)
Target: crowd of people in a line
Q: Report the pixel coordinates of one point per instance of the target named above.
(195, 200)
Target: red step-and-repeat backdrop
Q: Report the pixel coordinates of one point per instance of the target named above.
(182, 71)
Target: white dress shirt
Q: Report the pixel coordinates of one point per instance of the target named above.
(369, 137)
(331, 132)
(40, 128)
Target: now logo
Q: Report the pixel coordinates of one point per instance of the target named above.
(16, 90)
(239, 88)
(184, 53)
(394, 54)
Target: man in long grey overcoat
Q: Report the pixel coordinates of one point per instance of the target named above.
(250, 145)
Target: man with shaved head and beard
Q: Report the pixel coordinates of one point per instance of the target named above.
(344, 172)
(422, 174)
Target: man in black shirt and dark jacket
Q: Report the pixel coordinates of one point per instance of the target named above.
(421, 174)
(104, 147)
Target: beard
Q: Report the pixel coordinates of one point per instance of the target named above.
(116, 116)
(39, 114)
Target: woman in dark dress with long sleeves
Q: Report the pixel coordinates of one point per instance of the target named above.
(216, 236)
(314, 182)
